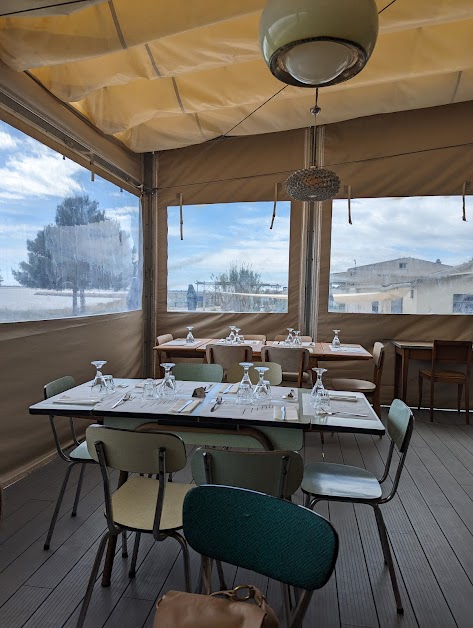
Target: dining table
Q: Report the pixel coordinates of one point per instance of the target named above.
(277, 422)
(405, 351)
(318, 351)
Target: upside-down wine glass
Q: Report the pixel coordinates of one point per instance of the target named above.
(319, 396)
(261, 390)
(237, 335)
(297, 339)
(231, 337)
(98, 385)
(167, 388)
(190, 338)
(245, 389)
(290, 337)
(336, 340)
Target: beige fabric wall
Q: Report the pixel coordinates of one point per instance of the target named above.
(427, 152)
(32, 354)
(231, 170)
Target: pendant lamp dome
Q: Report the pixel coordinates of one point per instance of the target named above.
(316, 43)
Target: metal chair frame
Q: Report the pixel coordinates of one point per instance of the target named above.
(311, 500)
(115, 530)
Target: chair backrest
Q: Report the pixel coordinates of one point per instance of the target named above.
(136, 452)
(400, 424)
(192, 372)
(271, 536)
(58, 386)
(378, 360)
(454, 351)
(277, 473)
(160, 340)
(280, 337)
(273, 376)
(292, 360)
(261, 337)
(226, 355)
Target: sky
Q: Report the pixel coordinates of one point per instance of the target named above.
(33, 180)
(428, 228)
(218, 235)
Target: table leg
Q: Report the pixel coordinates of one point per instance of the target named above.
(397, 372)
(405, 369)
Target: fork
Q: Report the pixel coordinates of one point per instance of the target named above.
(217, 403)
(125, 397)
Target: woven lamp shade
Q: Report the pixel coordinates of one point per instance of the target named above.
(312, 184)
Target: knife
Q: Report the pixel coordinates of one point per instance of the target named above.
(228, 388)
(185, 405)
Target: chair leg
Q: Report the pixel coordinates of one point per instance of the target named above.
(421, 386)
(79, 488)
(286, 603)
(134, 558)
(108, 566)
(388, 557)
(124, 545)
(467, 402)
(221, 576)
(432, 381)
(459, 397)
(92, 579)
(307, 500)
(52, 525)
(185, 554)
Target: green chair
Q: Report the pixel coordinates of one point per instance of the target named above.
(274, 375)
(344, 483)
(78, 455)
(140, 504)
(198, 372)
(277, 473)
(262, 533)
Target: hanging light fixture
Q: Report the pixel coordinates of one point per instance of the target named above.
(315, 43)
(313, 184)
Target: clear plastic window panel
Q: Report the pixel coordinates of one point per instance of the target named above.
(402, 256)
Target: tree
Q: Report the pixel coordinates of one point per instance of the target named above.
(234, 288)
(82, 249)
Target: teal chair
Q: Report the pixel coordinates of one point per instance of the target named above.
(262, 533)
(344, 483)
(78, 455)
(189, 372)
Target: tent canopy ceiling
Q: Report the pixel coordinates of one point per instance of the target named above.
(162, 75)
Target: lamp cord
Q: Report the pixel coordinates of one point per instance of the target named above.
(314, 111)
(388, 5)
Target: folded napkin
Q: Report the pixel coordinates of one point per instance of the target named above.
(188, 409)
(76, 401)
(233, 389)
(291, 413)
(342, 396)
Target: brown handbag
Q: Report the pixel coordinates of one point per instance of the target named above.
(177, 609)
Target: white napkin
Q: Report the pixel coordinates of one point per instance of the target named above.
(342, 396)
(291, 413)
(188, 409)
(233, 389)
(72, 401)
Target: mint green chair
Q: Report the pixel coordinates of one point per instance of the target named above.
(78, 455)
(271, 536)
(192, 372)
(344, 483)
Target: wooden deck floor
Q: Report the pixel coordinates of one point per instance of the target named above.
(430, 525)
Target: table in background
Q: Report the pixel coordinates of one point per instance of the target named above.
(406, 350)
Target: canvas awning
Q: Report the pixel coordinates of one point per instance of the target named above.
(161, 75)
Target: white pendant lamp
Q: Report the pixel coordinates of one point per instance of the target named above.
(316, 43)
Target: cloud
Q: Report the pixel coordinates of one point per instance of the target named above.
(21, 230)
(7, 141)
(36, 171)
(118, 212)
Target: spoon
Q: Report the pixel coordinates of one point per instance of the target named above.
(217, 403)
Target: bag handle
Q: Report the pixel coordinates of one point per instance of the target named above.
(253, 593)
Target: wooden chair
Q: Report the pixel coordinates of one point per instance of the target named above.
(262, 533)
(294, 362)
(161, 355)
(140, 504)
(458, 352)
(273, 376)
(260, 337)
(355, 485)
(280, 337)
(371, 389)
(226, 355)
